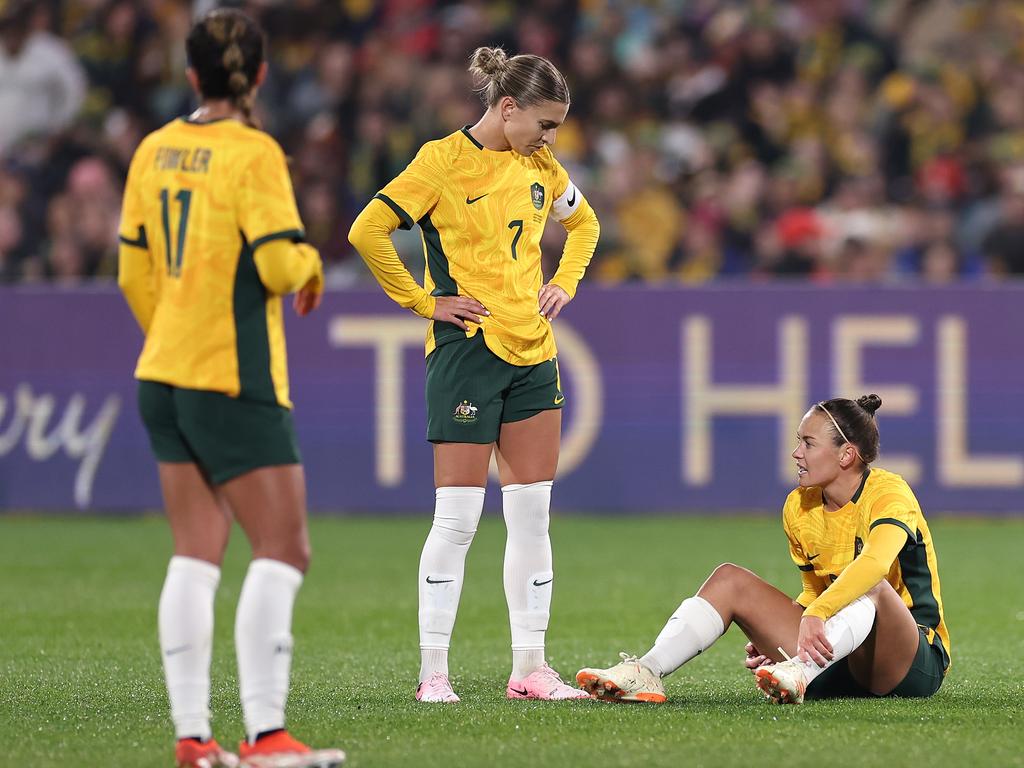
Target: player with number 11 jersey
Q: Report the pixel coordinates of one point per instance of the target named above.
(205, 201)
(210, 241)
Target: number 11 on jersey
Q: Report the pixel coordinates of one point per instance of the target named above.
(184, 197)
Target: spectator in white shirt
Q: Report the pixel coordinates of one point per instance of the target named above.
(42, 85)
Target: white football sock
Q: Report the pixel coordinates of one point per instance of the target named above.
(845, 631)
(691, 630)
(528, 572)
(185, 620)
(442, 567)
(263, 642)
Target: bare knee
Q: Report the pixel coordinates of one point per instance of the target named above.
(210, 553)
(461, 464)
(296, 553)
(727, 589)
(200, 545)
(303, 556)
(881, 591)
(726, 585)
(730, 575)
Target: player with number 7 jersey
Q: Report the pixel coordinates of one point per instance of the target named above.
(481, 197)
(482, 213)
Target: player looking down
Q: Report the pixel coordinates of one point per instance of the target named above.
(869, 620)
(481, 197)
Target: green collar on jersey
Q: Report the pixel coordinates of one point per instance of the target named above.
(477, 144)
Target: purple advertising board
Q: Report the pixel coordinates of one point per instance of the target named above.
(677, 399)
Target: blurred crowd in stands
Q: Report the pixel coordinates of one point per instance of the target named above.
(860, 141)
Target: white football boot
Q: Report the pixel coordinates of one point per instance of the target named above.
(629, 680)
(783, 683)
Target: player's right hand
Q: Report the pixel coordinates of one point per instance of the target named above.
(458, 309)
(754, 658)
(307, 298)
(812, 644)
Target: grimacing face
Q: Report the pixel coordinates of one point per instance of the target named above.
(817, 456)
(528, 129)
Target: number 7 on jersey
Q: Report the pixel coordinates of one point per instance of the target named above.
(516, 224)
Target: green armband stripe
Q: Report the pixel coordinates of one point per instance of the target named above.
(139, 242)
(403, 217)
(295, 235)
(893, 521)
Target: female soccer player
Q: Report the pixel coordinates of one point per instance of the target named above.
(210, 240)
(869, 619)
(481, 197)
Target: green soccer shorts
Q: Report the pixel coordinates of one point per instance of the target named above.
(226, 437)
(922, 680)
(471, 392)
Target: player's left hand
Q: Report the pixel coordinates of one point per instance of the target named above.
(754, 658)
(812, 644)
(551, 299)
(307, 298)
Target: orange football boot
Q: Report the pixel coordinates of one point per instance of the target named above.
(280, 749)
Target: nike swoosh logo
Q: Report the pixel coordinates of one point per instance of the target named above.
(179, 649)
(572, 199)
(542, 583)
(811, 557)
(471, 200)
(523, 692)
(560, 399)
(438, 581)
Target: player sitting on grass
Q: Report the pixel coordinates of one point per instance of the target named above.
(869, 620)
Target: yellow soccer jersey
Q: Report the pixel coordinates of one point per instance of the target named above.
(201, 198)
(823, 544)
(482, 213)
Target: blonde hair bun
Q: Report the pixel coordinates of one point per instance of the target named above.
(488, 63)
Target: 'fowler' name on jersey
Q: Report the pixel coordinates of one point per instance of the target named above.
(201, 198)
(187, 159)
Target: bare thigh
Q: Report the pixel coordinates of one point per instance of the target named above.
(527, 450)
(270, 505)
(882, 661)
(200, 518)
(767, 616)
(461, 465)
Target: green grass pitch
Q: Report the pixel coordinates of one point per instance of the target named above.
(81, 684)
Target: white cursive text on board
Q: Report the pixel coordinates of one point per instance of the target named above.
(30, 417)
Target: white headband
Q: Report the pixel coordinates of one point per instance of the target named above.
(840, 430)
(834, 422)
